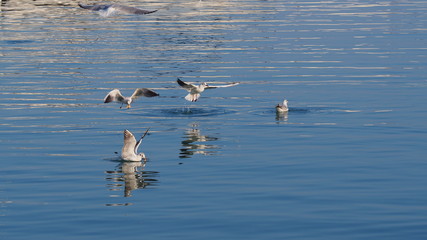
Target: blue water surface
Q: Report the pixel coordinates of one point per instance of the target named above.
(346, 162)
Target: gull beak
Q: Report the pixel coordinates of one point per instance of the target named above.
(128, 106)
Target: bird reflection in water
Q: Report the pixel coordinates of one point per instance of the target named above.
(196, 143)
(130, 176)
(282, 116)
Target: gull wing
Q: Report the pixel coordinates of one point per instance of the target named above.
(222, 86)
(131, 10)
(94, 7)
(143, 92)
(139, 141)
(187, 86)
(114, 95)
(129, 142)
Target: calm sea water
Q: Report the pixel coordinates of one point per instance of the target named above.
(347, 162)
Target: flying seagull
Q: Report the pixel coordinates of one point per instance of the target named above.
(111, 9)
(130, 147)
(282, 108)
(194, 91)
(116, 96)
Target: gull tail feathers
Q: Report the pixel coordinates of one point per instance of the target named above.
(192, 97)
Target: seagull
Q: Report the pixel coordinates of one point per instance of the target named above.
(282, 108)
(116, 95)
(111, 9)
(130, 147)
(194, 91)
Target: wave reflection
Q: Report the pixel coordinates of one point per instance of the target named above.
(196, 143)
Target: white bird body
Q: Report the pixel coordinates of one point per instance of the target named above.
(282, 108)
(130, 147)
(111, 9)
(116, 96)
(194, 91)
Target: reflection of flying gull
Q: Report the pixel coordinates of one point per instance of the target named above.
(116, 96)
(130, 147)
(194, 91)
(107, 10)
(282, 108)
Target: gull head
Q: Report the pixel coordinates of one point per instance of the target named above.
(203, 85)
(285, 103)
(128, 101)
(142, 156)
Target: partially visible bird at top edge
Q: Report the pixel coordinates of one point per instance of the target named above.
(112, 9)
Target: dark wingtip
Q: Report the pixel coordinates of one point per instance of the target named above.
(142, 12)
(108, 99)
(152, 93)
(146, 132)
(155, 94)
(181, 83)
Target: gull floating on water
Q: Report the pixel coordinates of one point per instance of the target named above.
(111, 9)
(282, 108)
(130, 147)
(116, 96)
(194, 91)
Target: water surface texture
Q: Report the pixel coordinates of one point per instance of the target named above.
(348, 161)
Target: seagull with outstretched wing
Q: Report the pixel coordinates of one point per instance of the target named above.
(111, 9)
(130, 147)
(194, 91)
(116, 96)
